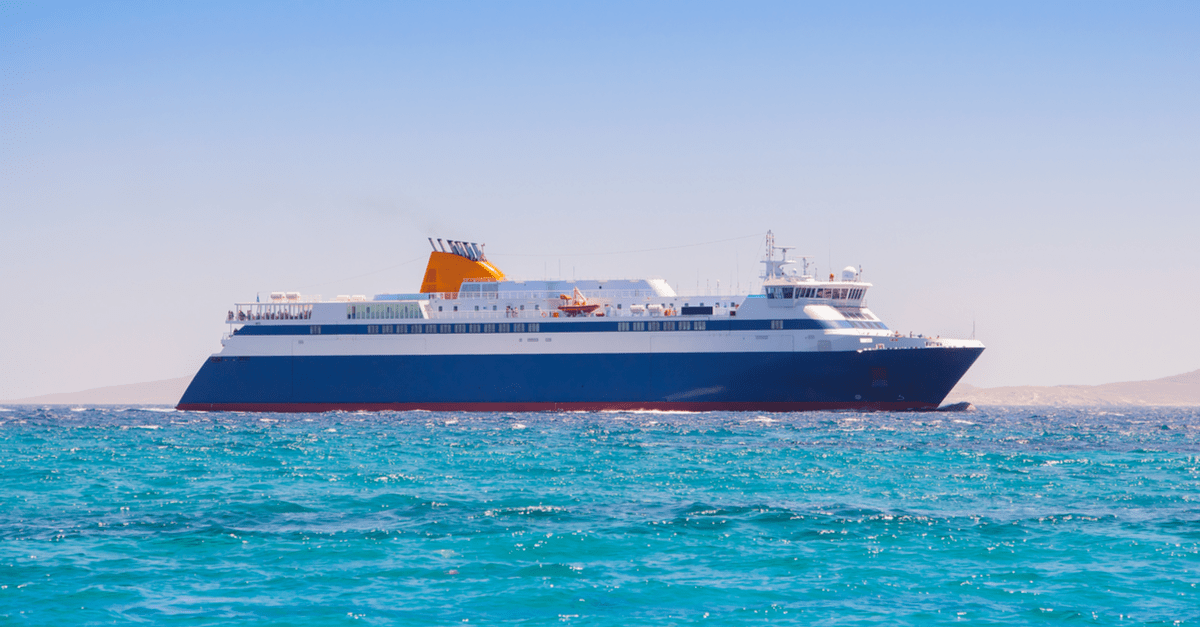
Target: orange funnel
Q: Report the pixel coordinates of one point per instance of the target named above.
(446, 272)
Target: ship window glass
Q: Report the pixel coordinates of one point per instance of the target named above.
(668, 326)
(639, 326)
(476, 307)
(618, 305)
(653, 326)
(518, 327)
(439, 307)
(534, 327)
(489, 328)
(456, 308)
(372, 328)
(474, 328)
(622, 326)
(684, 325)
(522, 307)
(504, 328)
(314, 329)
(699, 325)
(777, 324)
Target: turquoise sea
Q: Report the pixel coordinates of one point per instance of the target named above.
(1000, 516)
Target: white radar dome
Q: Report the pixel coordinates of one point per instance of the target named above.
(848, 273)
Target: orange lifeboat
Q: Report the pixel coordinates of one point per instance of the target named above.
(576, 305)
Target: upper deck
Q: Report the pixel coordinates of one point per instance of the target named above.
(489, 295)
(549, 301)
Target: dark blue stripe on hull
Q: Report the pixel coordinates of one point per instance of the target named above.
(887, 379)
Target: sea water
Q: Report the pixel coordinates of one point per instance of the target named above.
(998, 516)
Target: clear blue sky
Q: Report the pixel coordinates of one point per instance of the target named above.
(1028, 166)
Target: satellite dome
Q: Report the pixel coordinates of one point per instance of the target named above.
(848, 273)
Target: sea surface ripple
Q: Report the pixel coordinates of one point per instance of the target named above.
(999, 516)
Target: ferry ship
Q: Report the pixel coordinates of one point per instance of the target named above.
(473, 340)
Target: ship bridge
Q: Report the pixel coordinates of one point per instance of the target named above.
(782, 283)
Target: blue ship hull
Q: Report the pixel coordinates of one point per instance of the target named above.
(786, 381)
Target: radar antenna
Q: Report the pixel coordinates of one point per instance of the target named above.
(774, 267)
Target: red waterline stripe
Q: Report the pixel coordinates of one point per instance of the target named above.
(582, 406)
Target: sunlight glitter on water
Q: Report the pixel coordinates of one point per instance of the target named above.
(436, 517)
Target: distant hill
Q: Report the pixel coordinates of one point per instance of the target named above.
(1178, 390)
(165, 392)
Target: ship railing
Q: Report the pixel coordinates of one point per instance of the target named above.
(540, 295)
(250, 312)
(490, 315)
(547, 312)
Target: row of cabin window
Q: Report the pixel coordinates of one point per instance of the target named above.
(516, 327)
(539, 307)
(682, 325)
(376, 312)
(838, 293)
